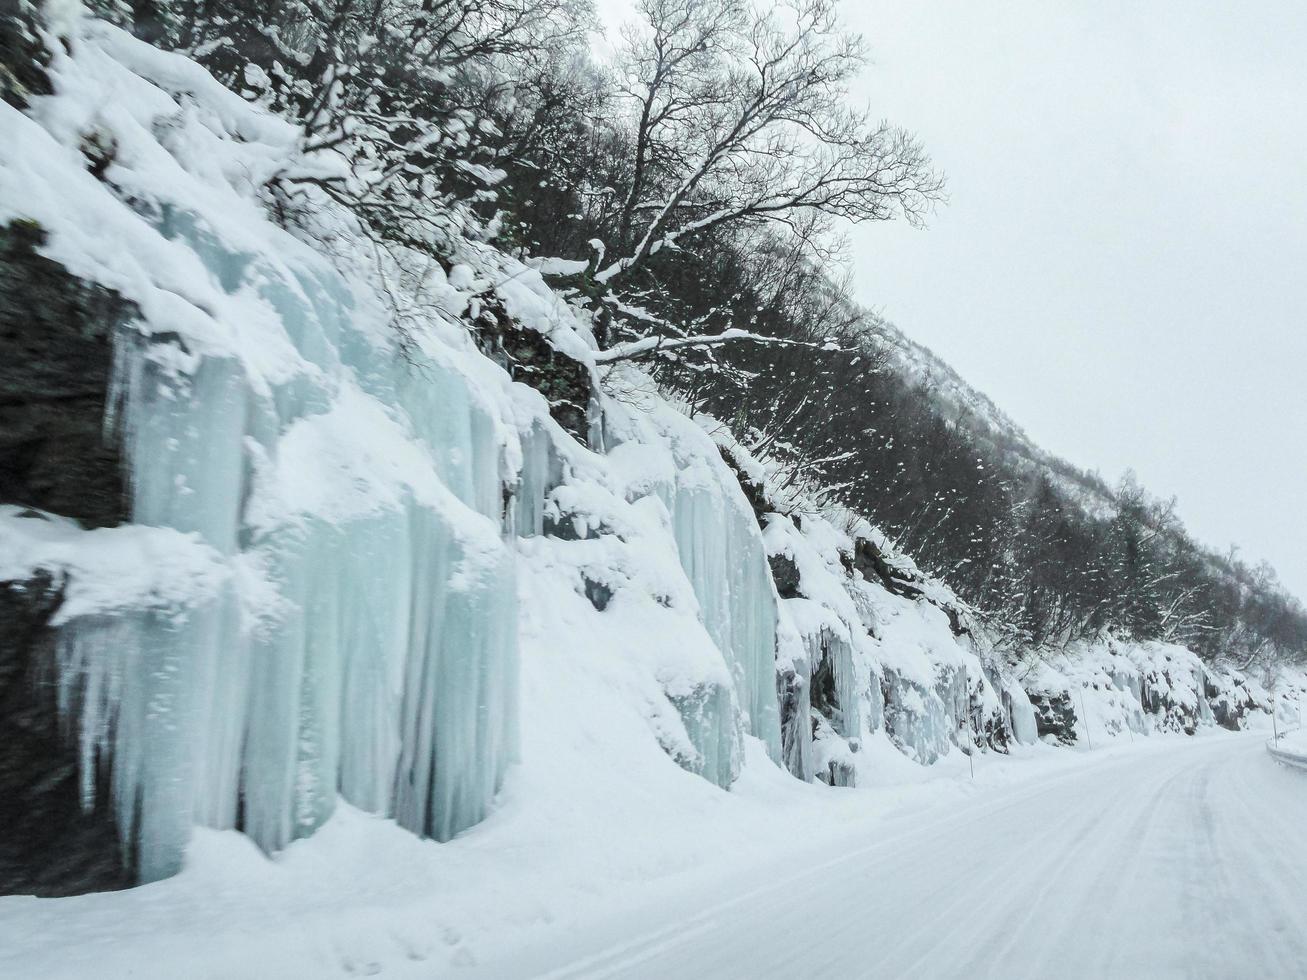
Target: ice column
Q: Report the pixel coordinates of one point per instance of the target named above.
(722, 553)
(380, 665)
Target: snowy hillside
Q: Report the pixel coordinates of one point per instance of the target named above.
(392, 654)
(989, 424)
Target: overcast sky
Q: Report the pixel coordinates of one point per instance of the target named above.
(1122, 262)
(1123, 259)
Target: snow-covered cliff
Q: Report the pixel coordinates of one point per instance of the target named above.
(333, 534)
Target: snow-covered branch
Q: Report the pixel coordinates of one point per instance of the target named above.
(651, 345)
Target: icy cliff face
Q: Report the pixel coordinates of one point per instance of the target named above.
(318, 594)
(1119, 689)
(317, 599)
(880, 669)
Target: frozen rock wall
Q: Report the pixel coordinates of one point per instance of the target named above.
(316, 591)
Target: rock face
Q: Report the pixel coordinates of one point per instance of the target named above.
(1231, 705)
(918, 719)
(22, 57)
(55, 364)
(754, 492)
(1055, 716)
(786, 576)
(49, 844)
(529, 358)
(992, 723)
(796, 720)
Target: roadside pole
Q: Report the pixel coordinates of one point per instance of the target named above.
(966, 735)
(966, 721)
(1085, 715)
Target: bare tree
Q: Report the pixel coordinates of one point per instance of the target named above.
(743, 118)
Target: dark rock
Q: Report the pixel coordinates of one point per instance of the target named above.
(994, 727)
(823, 693)
(796, 730)
(529, 357)
(597, 592)
(1229, 708)
(786, 576)
(871, 564)
(995, 731)
(56, 356)
(1168, 715)
(846, 561)
(49, 844)
(1055, 715)
(23, 59)
(564, 527)
(99, 149)
(1210, 690)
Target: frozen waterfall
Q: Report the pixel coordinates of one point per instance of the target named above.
(722, 553)
(364, 643)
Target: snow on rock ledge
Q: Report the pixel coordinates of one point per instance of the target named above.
(1112, 688)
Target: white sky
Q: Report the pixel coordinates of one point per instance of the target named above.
(1122, 261)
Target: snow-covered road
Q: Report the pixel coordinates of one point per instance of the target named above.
(1187, 859)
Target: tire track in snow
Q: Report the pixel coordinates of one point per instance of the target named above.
(1178, 860)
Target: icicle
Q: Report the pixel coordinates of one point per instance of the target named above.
(132, 683)
(710, 715)
(838, 685)
(793, 691)
(539, 473)
(458, 722)
(1022, 715)
(722, 554)
(875, 702)
(916, 718)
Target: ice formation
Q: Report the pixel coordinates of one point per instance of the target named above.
(361, 641)
(361, 510)
(878, 665)
(362, 497)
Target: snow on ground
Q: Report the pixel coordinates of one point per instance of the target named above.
(1293, 740)
(1005, 874)
(562, 852)
(1168, 858)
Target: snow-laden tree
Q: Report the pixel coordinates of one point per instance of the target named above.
(698, 186)
(395, 97)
